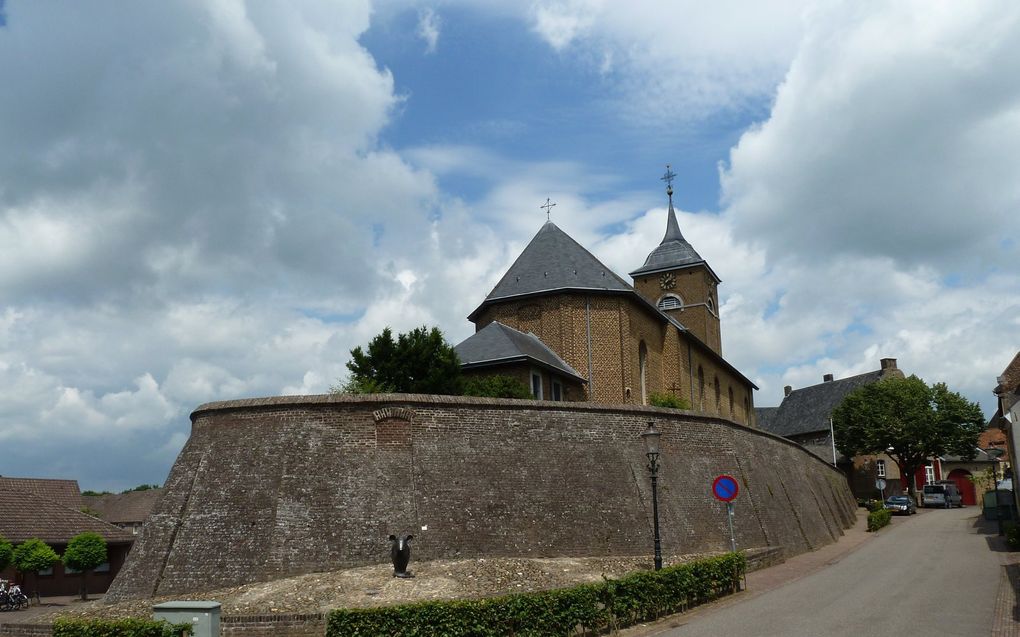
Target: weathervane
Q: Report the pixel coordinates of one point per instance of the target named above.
(548, 207)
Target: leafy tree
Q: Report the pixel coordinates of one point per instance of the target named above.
(6, 553)
(142, 487)
(418, 362)
(909, 421)
(85, 552)
(497, 386)
(91, 492)
(34, 555)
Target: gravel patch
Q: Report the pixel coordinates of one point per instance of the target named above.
(369, 586)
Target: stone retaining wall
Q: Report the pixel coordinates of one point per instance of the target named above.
(269, 488)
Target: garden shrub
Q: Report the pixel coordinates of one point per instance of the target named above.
(593, 608)
(656, 399)
(878, 519)
(875, 505)
(130, 627)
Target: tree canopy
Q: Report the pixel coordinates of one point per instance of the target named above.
(497, 386)
(418, 362)
(34, 555)
(6, 553)
(85, 552)
(909, 421)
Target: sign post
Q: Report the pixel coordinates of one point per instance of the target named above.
(880, 485)
(725, 489)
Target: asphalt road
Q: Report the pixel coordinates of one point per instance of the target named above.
(931, 574)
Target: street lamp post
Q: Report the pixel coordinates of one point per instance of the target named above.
(651, 437)
(995, 454)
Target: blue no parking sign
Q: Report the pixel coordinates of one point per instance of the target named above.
(725, 488)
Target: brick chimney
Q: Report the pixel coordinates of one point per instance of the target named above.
(889, 368)
(827, 378)
(888, 363)
(787, 390)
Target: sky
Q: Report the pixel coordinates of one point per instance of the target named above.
(215, 199)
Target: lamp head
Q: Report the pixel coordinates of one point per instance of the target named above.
(651, 437)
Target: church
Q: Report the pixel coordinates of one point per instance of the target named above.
(573, 330)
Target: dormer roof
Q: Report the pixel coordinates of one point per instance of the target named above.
(498, 344)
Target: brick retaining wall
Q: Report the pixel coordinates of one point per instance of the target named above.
(269, 488)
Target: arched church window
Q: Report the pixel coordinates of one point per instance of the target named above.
(701, 389)
(643, 362)
(670, 302)
(711, 304)
(718, 396)
(732, 414)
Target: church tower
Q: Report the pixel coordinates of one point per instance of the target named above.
(680, 283)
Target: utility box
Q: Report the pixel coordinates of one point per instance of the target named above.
(204, 617)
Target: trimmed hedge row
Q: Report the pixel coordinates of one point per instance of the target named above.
(118, 628)
(589, 608)
(878, 519)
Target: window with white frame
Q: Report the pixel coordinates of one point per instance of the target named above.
(880, 467)
(536, 385)
(929, 474)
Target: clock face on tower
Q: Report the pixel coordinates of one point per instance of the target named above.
(667, 281)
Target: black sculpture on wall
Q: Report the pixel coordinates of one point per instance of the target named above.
(400, 552)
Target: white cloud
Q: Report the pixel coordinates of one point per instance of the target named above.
(429, 26)
(892, 135)
(677, 60)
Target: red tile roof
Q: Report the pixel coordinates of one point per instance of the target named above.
(123, 508)
(24, 516)
(64, 492)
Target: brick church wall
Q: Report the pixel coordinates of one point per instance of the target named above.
(267, 488)
(618, 326)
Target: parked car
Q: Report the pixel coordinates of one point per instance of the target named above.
(901, 505)
(941, 494)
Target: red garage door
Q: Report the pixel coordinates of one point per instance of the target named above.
(962, 479)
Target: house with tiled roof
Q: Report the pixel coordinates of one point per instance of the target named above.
(26, 512)
(125, 510)
(581, 332)
(805, 416)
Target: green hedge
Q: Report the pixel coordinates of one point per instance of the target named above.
(878, 519)
(590, 607)
(118, 628)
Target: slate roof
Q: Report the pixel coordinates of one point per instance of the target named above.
(554, 261)
(123, 508)
(24, 515)
(63, 492)
(498, 344)
(673, 253)
(808, 410)
(764, 417)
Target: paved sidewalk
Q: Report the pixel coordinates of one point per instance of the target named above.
(46, 605)
(1007, 620)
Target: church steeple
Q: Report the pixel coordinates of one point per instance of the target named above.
(679, 281)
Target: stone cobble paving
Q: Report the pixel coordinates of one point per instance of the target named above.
(1007, 610)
